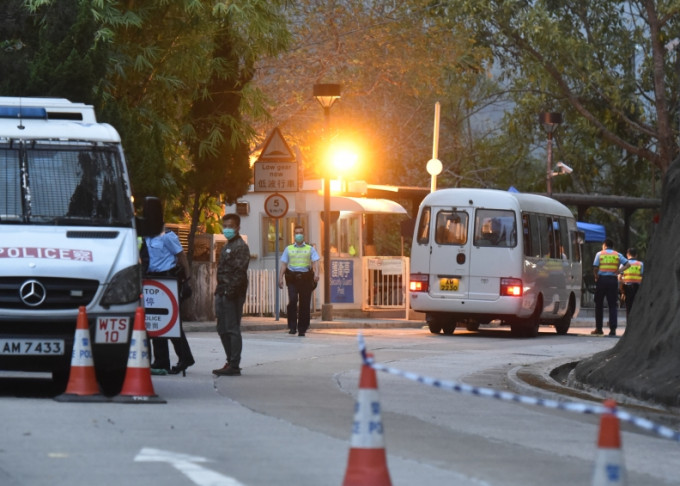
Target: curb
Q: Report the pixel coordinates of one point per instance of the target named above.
(251, 323)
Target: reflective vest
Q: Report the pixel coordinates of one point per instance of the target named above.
(633, 274)
(300, 256)
(609, 261)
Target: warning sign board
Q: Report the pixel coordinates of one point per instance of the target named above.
(276, 149)
(161, 307)
(276, 169)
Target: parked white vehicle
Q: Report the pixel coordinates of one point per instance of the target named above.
(67, 239)
(480, 255)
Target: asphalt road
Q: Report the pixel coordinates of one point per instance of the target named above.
(288, 419)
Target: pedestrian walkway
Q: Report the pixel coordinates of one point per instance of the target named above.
(586, 318)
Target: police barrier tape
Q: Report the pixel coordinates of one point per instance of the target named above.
(640, 422)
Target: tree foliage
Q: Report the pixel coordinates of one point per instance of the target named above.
(612, 67)
(172, 77)
(394, 60)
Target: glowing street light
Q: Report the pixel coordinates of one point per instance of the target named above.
(327, 95)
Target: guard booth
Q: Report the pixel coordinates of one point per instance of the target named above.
(360, 281)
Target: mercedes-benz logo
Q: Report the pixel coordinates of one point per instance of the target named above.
(32, 293)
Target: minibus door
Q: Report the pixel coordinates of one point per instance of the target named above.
(450, 253)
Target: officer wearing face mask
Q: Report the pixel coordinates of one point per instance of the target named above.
(300, 270)
(230, 294)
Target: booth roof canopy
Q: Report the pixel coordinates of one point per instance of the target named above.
(593, 232)
(366, 205)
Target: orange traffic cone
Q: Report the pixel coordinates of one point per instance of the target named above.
(609, 468)
(137, 386)
(367, 462)
(82, 382)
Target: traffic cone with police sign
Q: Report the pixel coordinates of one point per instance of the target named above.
(82, 381)
(367, 462)
(137, 386)
(609, 468)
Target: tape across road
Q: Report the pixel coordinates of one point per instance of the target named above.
(458, 387)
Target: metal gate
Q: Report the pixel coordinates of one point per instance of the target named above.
(386, 282)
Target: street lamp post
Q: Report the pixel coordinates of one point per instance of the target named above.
(434, 165)
(326, 95)
(550, 121)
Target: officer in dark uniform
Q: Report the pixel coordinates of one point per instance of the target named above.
(230, 293)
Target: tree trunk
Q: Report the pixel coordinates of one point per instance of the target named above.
(645, 363)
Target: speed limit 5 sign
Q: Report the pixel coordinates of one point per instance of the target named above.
(276, 206)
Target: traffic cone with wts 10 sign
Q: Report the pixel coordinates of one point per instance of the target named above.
(137, 386)
(82, 381)
(367, 462)
(609, 469)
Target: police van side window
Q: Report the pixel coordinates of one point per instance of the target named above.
(451, 227)
(423, 234)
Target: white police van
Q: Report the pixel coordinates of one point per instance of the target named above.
(67, 239)
(480, 255)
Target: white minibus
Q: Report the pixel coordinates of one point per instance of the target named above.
(67, 239)
(482, 255)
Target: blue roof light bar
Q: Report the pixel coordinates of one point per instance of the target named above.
(23, 112)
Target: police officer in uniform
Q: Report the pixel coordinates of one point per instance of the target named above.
(631, 278)
(300, 270)
(607, 265)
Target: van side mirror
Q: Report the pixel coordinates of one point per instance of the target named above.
(151, 222)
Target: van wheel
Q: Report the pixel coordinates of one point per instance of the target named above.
(449, 329)
(435, 328)
(528, 327)
(562, 326)
(435, 322)
(472, 325)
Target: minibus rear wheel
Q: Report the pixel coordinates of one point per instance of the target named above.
(472, 325)
(562, 325)
(528, 327)
(435, 323)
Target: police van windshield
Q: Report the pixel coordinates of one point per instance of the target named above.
(62, 184)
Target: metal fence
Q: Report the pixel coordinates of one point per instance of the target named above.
(261, 297)
(386, 282)
(384, 286)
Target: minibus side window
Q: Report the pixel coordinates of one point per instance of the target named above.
(576, 240)
(451, 228)
(544, 232)
(496, 228)
(526, 232)
(423, 234)
(554, 237)
(564, 239)
(535, 235)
